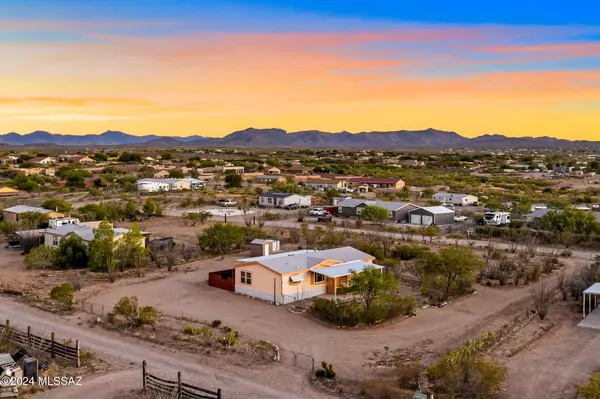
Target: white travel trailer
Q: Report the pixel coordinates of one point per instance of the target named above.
(496, 218)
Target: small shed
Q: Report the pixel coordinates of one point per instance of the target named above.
(431, 215)
(260, 247)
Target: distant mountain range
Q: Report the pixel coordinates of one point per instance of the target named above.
(270, 138)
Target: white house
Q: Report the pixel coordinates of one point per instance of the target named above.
(279, 200)
(153, 185)
(455, 199)
(57, 222)
(53, 236)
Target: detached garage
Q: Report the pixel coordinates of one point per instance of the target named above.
(431, 215)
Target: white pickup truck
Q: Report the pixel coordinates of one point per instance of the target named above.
(227, 202)
(460, 219)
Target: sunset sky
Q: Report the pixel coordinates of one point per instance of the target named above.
(519, 68)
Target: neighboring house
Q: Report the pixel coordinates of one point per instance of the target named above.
(562, 170)
(149, 159)
(325, 184)
(53, 236)
(297, 169)
(398, 211)
(537, 215)
(83, 160)
(455, 199)
(535, 207)
(57, 222)
(412, 162)
(291, 276)
(279, 200)
(38, 171)
(239, 170)
(10, 192)
(375, 182)
(273, 171)
(162, 174)
(9, 160)
(431, 215)
(156, 185)
(264, 179)
(13, 213)
(43, 160)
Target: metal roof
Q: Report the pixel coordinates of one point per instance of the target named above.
(85, 232)
(436, 210)
(594, 289)
(275, 194)
(346, 268)
(288, 262)
(351, 202)
(6, 358)
(26, 208)
(539, 213)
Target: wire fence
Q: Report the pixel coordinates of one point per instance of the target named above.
(34, 343)
(297, 359)
(94, 308)
(162, 388)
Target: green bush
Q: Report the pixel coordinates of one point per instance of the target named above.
(591, 390)
(326, 371)
(64, 294)
(338, 312)
(409, 252)
(202, 331)
(230, 339)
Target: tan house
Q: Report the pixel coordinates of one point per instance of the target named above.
(274, 171)
(162, 174)
(10, 192)
(325, 184)
(43, 160)
(14, 212)
(38, 171)
(292, 276)
(83, 160)
(378, 183)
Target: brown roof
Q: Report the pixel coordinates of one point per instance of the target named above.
(376, 180)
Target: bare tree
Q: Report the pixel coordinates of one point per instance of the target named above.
(170, 256)
(188, 251)
(542, 296)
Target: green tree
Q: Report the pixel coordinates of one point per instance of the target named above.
(221, 238)
(451, 271)
(195, 217)
(64, 293)
(131, 209)
(376, 214)
(330, 194)
(233, 180)
(131, 250)
(102, 248)
(431, 232)
(72, 252)
(571, 219)
(166, 156)
(150, 207)
(129, 309)
(57, 204)
(371, 283)
(33, 220)
(42, 256)
(176, 174)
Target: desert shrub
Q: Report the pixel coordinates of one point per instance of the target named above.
(408, 375)
(129, 309)
(338, 312)
(229, 339)
(271, 215)
(567, 253)
(408, 251)
(591, 390)
(202, 331)
(326, 371)
(64, 294)
(216, 323)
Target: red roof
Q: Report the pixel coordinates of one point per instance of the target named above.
(375, 180)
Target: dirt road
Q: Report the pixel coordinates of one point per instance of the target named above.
(285, 382)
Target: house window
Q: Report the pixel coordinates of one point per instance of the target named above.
(270, 200)
(319, 278)
(55, 241)
(246, 278)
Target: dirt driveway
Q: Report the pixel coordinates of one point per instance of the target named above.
(432, 329)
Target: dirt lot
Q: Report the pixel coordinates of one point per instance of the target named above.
(432, 330)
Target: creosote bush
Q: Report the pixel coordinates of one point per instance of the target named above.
(326, 371)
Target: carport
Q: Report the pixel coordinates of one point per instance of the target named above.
(337, 275)
(431, 215)
(591, 314)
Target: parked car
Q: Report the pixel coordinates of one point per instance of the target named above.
(227, 202)
(318, 212)
(291, 206)
(460, 219)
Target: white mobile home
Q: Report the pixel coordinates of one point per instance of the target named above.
(455, 199)
(280, 200)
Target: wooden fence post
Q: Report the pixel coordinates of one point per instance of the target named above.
(313, 364)
(91, 308)
(219, 393)
(78, 353)
(179, 387)
(295, 358)
(52, 348)
(144, 376)
(29, 335)
(7, 324)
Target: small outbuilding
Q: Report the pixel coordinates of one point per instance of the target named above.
(431, 215)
